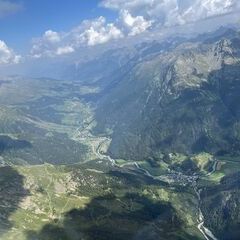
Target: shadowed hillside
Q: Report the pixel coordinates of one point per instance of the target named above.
(221, 207)
(12, 192)
(183, 101)
(7, 143)
(108, 217)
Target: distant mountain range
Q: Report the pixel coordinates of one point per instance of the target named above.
(135, 143)
(174, 96)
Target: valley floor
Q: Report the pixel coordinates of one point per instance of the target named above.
(57, 180)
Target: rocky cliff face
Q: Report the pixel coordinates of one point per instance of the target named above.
(184, 99)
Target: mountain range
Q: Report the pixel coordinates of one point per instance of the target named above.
(139, 142)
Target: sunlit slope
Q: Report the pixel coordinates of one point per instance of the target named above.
(38, 122)
(68, 202)
(143, 150)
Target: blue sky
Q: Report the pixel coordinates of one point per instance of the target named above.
(34, 29)
(37, 16)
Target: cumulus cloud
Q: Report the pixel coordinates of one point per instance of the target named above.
(50, 44)
(135, 17)
(88, 33)
(7, 55)
(51, 36)
(174, 12)
(9, 7)
(136, 25)
(130, 5)
(100, 32)
(65, 50)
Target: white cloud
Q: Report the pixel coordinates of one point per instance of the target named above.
(8, 8)
(174, 12)
(136, 25)
(203, 9)
(7, 55)
(65, 50)
(135, 17)
(51, 36)
(100, 32)
(48, 45)
(88, 33)
(130, 4)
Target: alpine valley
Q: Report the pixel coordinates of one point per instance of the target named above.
(139, 143)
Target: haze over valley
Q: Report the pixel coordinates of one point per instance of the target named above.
(126, 126)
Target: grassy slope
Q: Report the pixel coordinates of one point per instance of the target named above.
(44, 114)
(54, 191)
